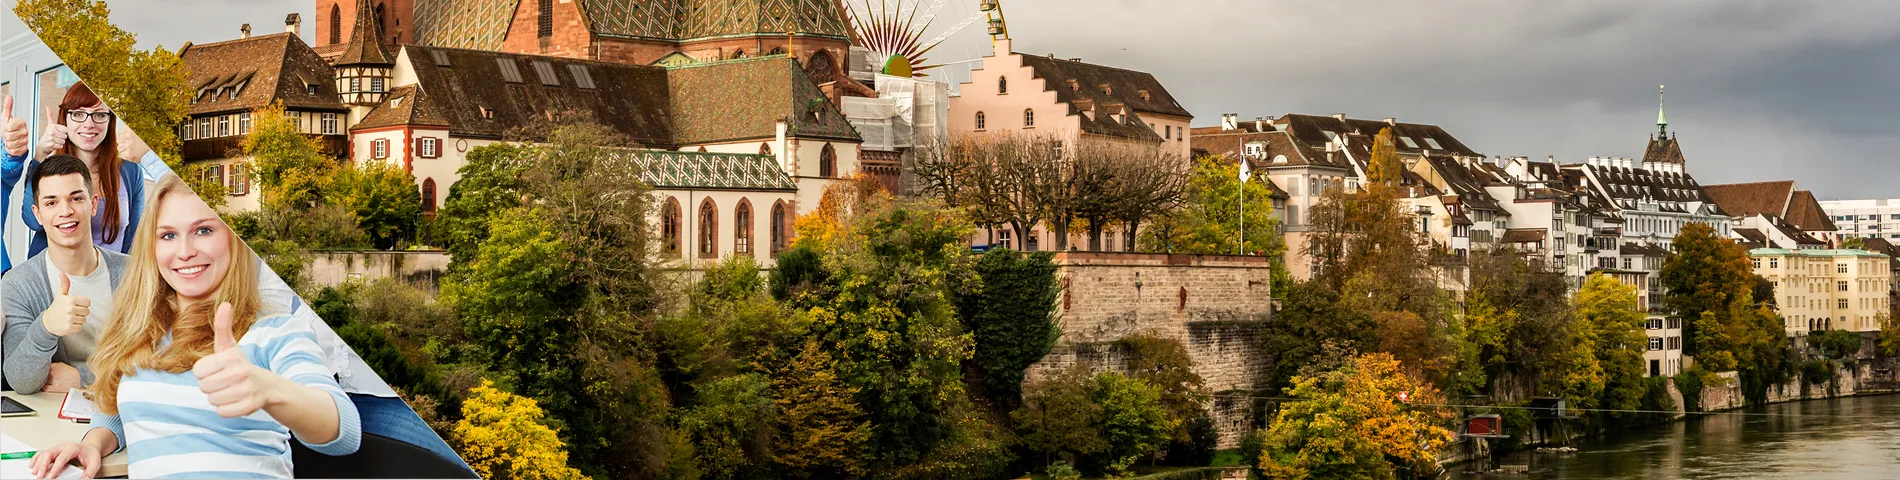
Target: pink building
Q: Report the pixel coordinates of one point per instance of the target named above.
(1071, 101)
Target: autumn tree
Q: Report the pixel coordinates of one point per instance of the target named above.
(1611, 324)
(292, 169)
(1001, 178)
(1367, 419)
(825, 431)
(1518, 314)
(145, 88)
(1384, 169)
(502, 436)
(1059, 417)
(384, 198)
(1124, 185)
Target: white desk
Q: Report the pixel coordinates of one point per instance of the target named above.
(44, 429)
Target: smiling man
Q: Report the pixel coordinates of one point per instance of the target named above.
(58, 301)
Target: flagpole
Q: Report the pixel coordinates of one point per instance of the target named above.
(1241, 246)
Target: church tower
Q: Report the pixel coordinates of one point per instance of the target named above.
(1663, 148)
(363, 71)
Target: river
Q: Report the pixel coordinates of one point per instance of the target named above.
(1855, 437)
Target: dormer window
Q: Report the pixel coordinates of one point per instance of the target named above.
(1107, 90)
(1074, 85)
(310, 88)
(487, 113)
(1256, 149)
(1144, 95)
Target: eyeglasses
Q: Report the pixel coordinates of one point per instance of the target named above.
(97, 117)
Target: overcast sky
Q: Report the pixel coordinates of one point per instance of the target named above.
(1758, 90)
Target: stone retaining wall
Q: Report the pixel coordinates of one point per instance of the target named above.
(1216, 305)
(422, 268)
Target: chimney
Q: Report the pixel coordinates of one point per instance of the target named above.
(293, 24)
(1551, 159)
(1339, 116)
(1259, 124)
(1391, 121)
(244, 31)
(1330, 146)
(1076, 59)
(1229, 121)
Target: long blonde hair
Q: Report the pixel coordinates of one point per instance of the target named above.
(143, 309)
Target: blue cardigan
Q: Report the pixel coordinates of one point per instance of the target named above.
(129, 175)
(11, 169)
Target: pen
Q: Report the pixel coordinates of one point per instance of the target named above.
(15, 455)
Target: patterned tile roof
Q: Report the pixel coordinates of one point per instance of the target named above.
(744, 99)
(719, 171)
(270, 68)
(471, 24)
(482, 24)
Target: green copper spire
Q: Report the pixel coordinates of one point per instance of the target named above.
(1662, 122)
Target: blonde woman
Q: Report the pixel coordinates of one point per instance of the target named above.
(194, 380)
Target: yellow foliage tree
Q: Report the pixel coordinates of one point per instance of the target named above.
(1364, 420)
(502, 438)
(1384, 169)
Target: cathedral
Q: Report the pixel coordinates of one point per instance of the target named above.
(734, 108)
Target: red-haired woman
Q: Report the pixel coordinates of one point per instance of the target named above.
(82, 126)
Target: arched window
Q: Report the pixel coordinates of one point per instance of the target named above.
(1029, 118)
(742, 227)
(828, 162)
(708, 230)
(1002, 85)
(740, 53)
(381, 26)
(821, 67)
(979, 120)
(428, 195)
(778, 227)
(670, 223)
(765, 148)
(778, 50)
(336, 25)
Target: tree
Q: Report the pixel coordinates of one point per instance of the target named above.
(1012, 318)
(1365, 420)
(1135, 423)
(1166, 364)
(1210, 219)
(1384, 170)
(1311, 318)
(1610, 321)
(292, 169)
(213, 192)
(1706, 275)
(1854, 243)
(491, 181)
(731, 426)
(1124, 185)
(145, 88)
(1059, 417)
(384, 198)
(502, 436)
(824, 429)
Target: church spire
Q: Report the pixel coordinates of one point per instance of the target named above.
(1662, 122)
(362, 73)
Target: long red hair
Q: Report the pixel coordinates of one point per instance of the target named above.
(106, 177)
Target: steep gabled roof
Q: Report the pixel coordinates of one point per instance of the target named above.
(1460, 180)
(1664, 150)
(473, 95)
(1750, 199)
(1423, 137)
(405, 105)
(1806, 213)
(1125, 87)
(260, 70)
(366, 40)
(744, 99)
(483, 24)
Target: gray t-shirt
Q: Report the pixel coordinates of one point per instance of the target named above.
(96, 287)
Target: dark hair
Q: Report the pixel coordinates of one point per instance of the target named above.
(55, 166)
(81, 96)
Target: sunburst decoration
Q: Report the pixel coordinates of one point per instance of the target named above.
(897, 28)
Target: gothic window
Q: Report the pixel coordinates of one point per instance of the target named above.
(821, 67)
(740, 53)
(979, 121)
(670, 226)
(547, 18)
(742, 227)
(336, 25)
(1002, 85)
(1029, 118)
(778, 227)
(380, 24)
(828, 162)
(428, 195)
(778, 50)
(708, 230)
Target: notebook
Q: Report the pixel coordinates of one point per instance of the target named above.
(77, 407)
(11, 467)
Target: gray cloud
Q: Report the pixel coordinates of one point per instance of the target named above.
(1759, 89)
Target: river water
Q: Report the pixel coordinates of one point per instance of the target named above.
(1856, 437)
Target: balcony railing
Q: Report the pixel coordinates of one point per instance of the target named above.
(233, 146)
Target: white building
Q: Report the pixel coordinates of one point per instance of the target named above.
(1873, 218)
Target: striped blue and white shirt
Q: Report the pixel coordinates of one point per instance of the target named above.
(170, 430)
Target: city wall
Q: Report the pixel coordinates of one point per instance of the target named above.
(422, 268)
(1215, 305)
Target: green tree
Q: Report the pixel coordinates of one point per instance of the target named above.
(731, 426)
(1135, 423)
(1059, 417)
(824, 430)
(145, 88)
(1707, 274)
(1352, 423)
(491, 181)
(1012, 318)
(384, 198)
(1210, 220)
(1165, 363)
(1311, 318)
(292, 169)
(1611, 323)
(1854, 243)
(197, 176)
(502, 437)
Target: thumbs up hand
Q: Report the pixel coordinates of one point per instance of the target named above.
(229, 380)
(12, 129)
(55, 135)
(67, 313)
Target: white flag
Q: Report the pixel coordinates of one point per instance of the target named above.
(1246, 170)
